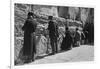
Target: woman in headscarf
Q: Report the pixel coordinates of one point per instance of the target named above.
(67, 41)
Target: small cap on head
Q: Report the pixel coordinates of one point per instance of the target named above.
(76, 29)
(66, 28)
(30, 13)
(50, 17)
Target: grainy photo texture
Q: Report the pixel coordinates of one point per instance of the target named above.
(52, 34)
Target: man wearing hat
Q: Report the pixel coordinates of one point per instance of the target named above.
(52, 34)
(29, 38)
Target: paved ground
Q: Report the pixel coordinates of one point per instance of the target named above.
(82, 53)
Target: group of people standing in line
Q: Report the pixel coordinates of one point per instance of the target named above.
(29, 46)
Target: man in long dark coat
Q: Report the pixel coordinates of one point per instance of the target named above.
(52, 35)
(29, 38)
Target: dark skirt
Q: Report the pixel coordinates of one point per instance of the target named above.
(66, 43)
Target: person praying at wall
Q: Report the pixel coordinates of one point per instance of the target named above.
(29, 46)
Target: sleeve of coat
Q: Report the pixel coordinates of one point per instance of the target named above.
(23, 28)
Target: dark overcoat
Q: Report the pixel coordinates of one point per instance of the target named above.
(29, 38)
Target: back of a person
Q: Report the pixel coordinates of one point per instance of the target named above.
(77, 38)
(52, 28)
(30, 26)
(67, 41)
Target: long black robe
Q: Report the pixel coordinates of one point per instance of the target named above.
(29, 38)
